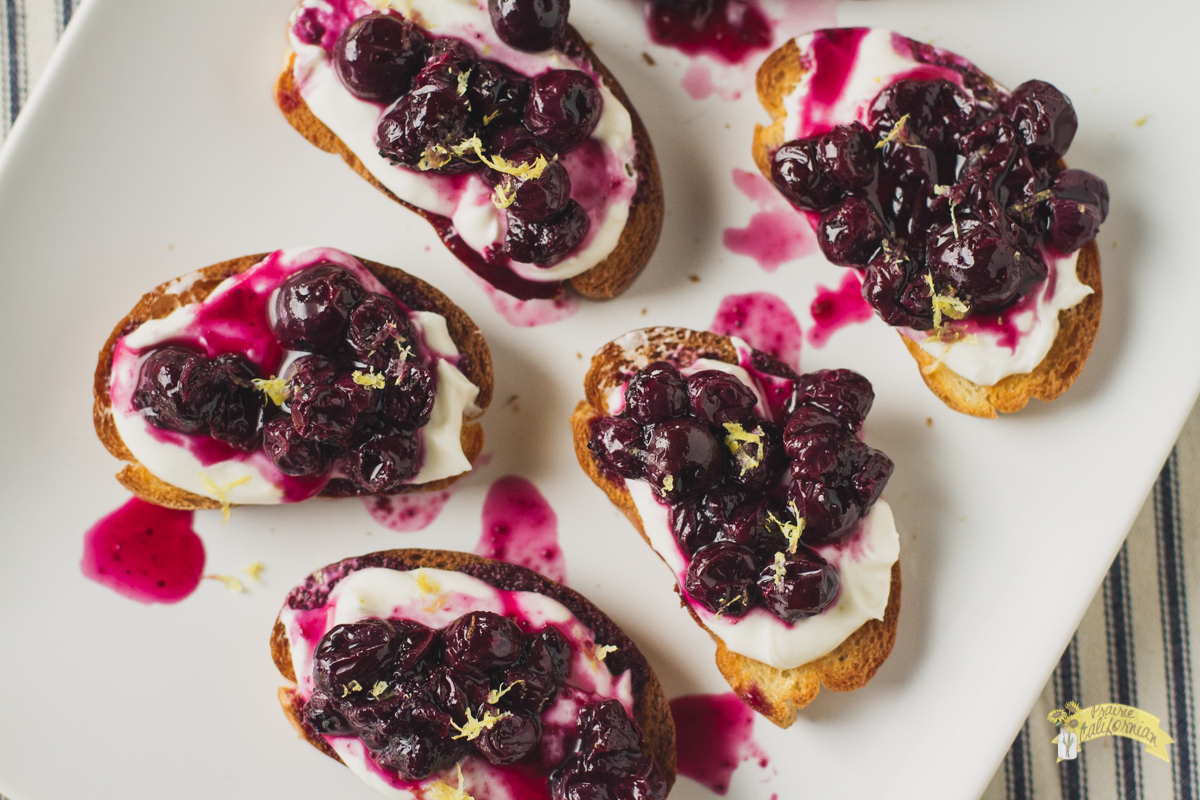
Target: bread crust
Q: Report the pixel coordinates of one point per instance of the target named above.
(776, 694)
(651, 708)
(605, 280)
(158, 303)
(779, 74)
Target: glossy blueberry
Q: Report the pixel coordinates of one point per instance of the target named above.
(321, 712)
(548, 241)
(806, 419)
(717, 397)
(682, 459)
(482, 641)
(842, 393)
(846, 156)
(829, 512)
(850, 232)
(795, 172)
(938, 112)
(977, 263)
(230, 403)
(497, 94)
(379, 331)
(458, 692)
(377, 56)
(290, 452)
(754, 453)
(658, 392)
(564, 107)
(511, 739)
(530, 25)
(384, 463)
(313, 305)
(617, 444)
(885, 283)
(535, 199)
(422, 129)
(806, 585)
(872, 476)
(721, 578)
(164, 392)
(1083, 187)
(1044, 117)
(355, 654)
(408, 402)
(828, 456)
(416, 756)
(1072, 224)
(332, 410)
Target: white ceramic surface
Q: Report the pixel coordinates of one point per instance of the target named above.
(153, 148)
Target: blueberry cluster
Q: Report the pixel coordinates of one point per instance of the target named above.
(422, 699)
(355, 401)
(609, 761)
(748, 501)
(450, 112)
(944, 196)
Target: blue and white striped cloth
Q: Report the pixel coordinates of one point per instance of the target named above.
(1134, 646)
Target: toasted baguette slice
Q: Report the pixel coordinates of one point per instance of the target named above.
(776, 694)
(1077, 326)
(604, 281)
(651, 709)
(158, 303)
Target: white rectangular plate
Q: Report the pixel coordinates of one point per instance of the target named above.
(154, 148)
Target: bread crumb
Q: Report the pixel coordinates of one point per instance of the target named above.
(648, 59)
(579, 355)
(644, 310)
(511, 400)
(1115, 245)
(170, 247)
(929, 422)
(1142, 120)
(694, 278)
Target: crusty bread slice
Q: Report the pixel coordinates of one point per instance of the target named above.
(158, 303)
(650, 706)
(776, 694)
(779, 74)
(636, 244)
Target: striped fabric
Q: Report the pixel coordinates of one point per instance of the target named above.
(1133, 647)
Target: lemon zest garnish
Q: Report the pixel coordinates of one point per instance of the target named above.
(488, 119)
(462, 82)
(254, 571)
(379, 688)
(669, 483)
(944, 305)
(741, 598)
(434, 157)
(779, 570)
(372, 380)
(898, 135)
(441, 790)
(219, 492)
(495, 694)
(354, 686)
(426, 584)
(500, 164)
(1141, 120)
(736, 439)
(792, 531)
(231, 583)
(276, 389)
(473, 727)
(503, 198)
(603, 650)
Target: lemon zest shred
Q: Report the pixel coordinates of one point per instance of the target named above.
(495, 694)
(736, 439)
(276, 389)
(944, 305)
(523, 170)
(462, 82)
(218, 492)
(792, 531)
(502, 198)
(779, 570)
(371, 380)
(1140, 121)
(440, 790)
(231, 583)
(255, 571)
(487, 120)
(602, 650)
(898, 135)
(434, 157)
(474, 727)
(379, 688)
(669, 483)
(426, 584)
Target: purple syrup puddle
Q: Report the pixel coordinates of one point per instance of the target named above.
(407, 513)
(763, 321)
(776, 233)
(833, 309)
(144, 552)
(520, 527)
(727, 30)
(713, 736)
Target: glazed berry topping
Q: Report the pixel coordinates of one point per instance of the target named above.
(740, 493)
(564, 107)
(165, 391)
(512, 738)
(378, 55)
(229, 402)
(363, 652)
(535, 199)
(547, 241)
(946, 196)
(379, 332)
(288, 450)
(609, 760)
(408, 400)
(798, 585)
(313, 305)
(497, 94)
(331, 410)
(482, 641)
(530, 25)
(384, 463)
(423, 128)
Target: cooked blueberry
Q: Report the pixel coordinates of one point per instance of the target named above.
(617, 443)
(511, 739)
(530, 25)
(829, 512)
(605, 728)
(721, 578)
(795, 172)
(755, 453)
(536, 199)
(416, 756)
(846, 156)
(447, 59)
(408, 402)
(564, 107)
(806, 419)
(482, 641)
(506, 140)
(829, 455)
(717, 397)
(356, 654)
(331, 410)
(378, 55)
(313, 305)
(682, 459)
(1044, 117)
(871, 477)
(163, 392)
(850, 232)
(548, 241)
(725, 512)
(321, 712)
(1084, 187)
(497, 94)
(752, 527)
(841, 392)
(288, 450)
(802, 586)
(938, 112)
(976, 263)
(231, 403)
(423, 128)
(384, 463)
(885, 284)
(1072, 224)
(656, 393)
(458, 692)
(549, 653)
(379, 331)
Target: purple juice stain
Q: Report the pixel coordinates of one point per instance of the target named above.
(763, 321)
(713, 736)
(726, 30)
(776, 233)
(144, 552)
(833, 309)
(407, 513)
(520, 527)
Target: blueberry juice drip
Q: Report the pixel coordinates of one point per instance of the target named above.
(145, 552)
(520, 527)
(833, 309)
(946, 192)
(751, 500)
(728, 30)
(764, 321)
(714, 735)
